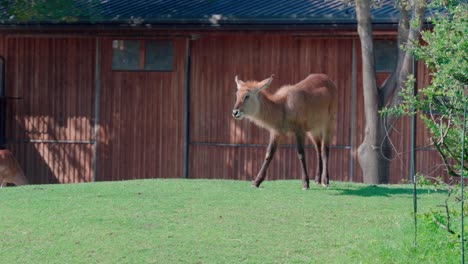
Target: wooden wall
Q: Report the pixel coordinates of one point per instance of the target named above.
(140, 131)
(141, 119)
(50, 129)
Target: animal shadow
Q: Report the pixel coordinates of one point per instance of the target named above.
(375, 190)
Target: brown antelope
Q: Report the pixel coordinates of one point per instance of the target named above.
(10, 171)
(306, 108)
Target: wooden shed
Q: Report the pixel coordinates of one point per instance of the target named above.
(146, 90)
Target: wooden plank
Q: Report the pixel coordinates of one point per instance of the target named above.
(142, 119)
(46, 73)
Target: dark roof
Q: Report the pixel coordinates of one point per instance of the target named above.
(218, 13)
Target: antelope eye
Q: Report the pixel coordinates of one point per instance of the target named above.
(246, 96)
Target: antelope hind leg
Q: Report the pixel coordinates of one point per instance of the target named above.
(301, 156)
(325, 174)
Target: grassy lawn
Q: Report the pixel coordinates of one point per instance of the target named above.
(213, 221)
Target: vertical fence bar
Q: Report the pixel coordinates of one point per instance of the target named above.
(97, 90)
(187, 108)
(412, 160)
(353, 109)
(2, 104)
(462, 179)
(413, 127)
(415, 199)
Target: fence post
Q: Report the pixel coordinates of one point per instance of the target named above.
(97, 91)
(2, 104)
(462, 178)
(187, 109)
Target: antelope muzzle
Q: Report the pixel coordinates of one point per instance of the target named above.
(237, 114)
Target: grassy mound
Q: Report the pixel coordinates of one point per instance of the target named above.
(215, 221)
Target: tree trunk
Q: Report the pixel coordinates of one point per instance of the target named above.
(374, 154)
(372, 151)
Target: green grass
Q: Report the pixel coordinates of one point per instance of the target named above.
(214, 221)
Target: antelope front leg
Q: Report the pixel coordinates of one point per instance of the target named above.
(268, 157)
(325, 154)
(301, 155)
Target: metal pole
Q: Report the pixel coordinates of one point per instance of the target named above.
(353, 111)
(415, 210)
(97, 90)
(412, 158)
(462, 179)
(187, 109)
(2, 105)
(413, 126)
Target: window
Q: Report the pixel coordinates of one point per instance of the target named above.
(142, 55)
(386, 55)
(158, 56)
(125, 55)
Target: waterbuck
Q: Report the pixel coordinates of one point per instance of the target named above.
(10, 170)
(308, 108)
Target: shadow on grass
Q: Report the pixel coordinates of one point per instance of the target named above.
(374, 190)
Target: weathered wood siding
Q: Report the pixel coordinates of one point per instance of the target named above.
(141, 119)
(140, 132)
(50, 130)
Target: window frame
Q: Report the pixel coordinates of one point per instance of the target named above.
(389, 68)
(142, 55)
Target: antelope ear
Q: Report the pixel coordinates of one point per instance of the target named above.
(238, 82)
(265, 83)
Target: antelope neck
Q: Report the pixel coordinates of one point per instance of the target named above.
(270, 112)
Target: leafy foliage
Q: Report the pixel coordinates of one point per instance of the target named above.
(447, 215)
(53, 11)
(440, 105)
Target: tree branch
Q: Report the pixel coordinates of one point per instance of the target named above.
(389, 86)
(444, 158)
(439, 146)
(418, 10)
(408, 34)
(434, 219)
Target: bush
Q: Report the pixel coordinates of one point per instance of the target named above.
(444, 50)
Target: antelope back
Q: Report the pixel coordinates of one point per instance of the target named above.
(10, 171)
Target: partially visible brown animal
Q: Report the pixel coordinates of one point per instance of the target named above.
(308, 108)
(10, 170)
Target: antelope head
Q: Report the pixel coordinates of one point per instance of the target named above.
(247, 102)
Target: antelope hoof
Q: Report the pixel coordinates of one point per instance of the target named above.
(305, 188)
(255, 185)
(325, 185)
